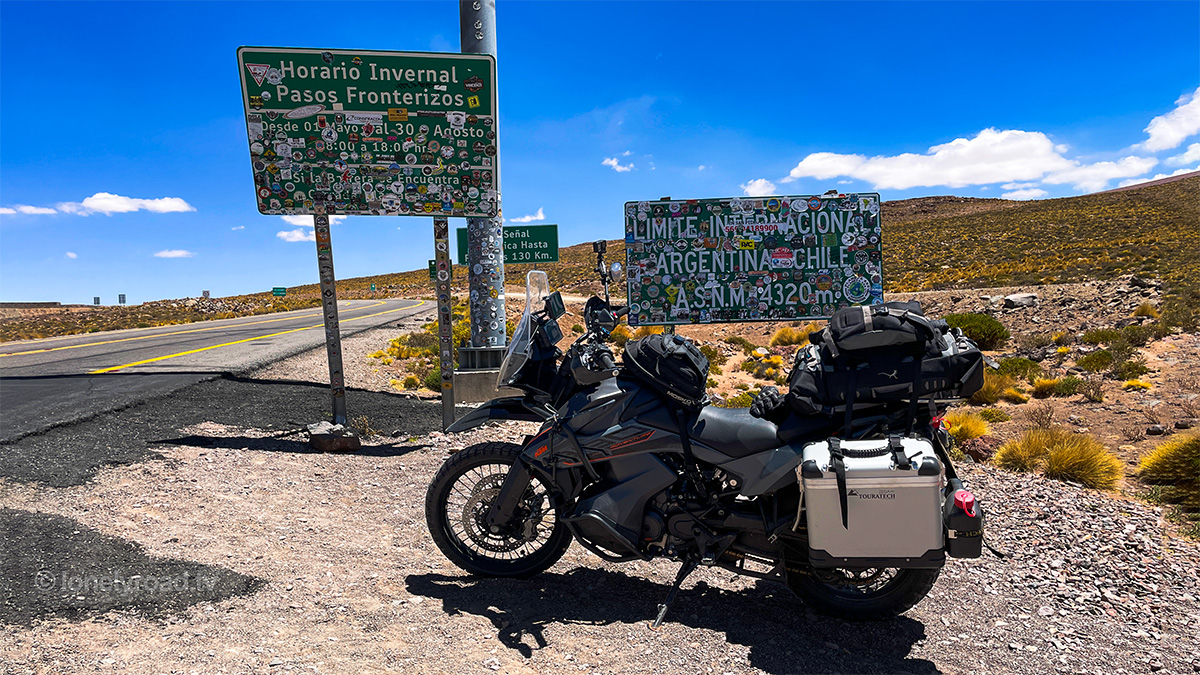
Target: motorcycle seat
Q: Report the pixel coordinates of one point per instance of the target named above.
(734, 431)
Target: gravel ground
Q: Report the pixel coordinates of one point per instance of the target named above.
(265, 557)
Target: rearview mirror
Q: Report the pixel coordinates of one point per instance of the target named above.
(554, 305)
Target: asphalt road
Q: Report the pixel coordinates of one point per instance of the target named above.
(56, 381)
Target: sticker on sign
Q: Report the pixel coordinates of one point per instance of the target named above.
(752, 259)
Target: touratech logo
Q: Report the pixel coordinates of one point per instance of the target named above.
(882, 494)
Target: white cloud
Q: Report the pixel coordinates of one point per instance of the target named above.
(759, 187)
(174, 253)
(307, 221)
(1169, 130)
(108, 204)
(1026, 193)
(701, 167)
(1135, 181)
(626, 153)
(616, 164)
(992, 156)
(298, 234)
(71, 255)
(235, 228)
(4, 210)
(1192, 154)
(1095, 177)
(1018, 186)
(29, 210)
(540, 215)
(845, 182)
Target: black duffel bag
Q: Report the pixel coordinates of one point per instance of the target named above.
(882, 354)
(672, 365)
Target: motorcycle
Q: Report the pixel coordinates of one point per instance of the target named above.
(621, 469)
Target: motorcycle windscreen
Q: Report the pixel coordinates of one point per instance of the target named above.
(537, 289)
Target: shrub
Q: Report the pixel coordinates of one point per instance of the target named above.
(993, 385)
(1040, 416)
(1135, 385)
(1121, 350)
(1061, 455)
(1092, 389)
(746, 345)
(1068, 386)
(710, 383)
(1031, 341)
(716, 358)
(1095, 362)
(1129, 370)
(742, 400)
(621, 335)
(646, 331)
(1175, 465)
(963, 425)
(1147, 309)
(1136, 335)
(1013, 395)
(412, 382)
(766, 368)
(1101, 336)
(1043, 388)
(1062, 338)
(987, 332)
(1023, 368)
(1085, 460)
(994, 415)
(577, 328)
(433, 379)
(789, 335)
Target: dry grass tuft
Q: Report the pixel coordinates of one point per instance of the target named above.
(994, 385)
(1146, 309)
(1013, 395)
(964, 425)
(791, 335)
(1175, 464)
(1043, 388)
(1061, 455)
(1040, 416)
(1136, 385)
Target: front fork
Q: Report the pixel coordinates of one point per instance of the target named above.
(503, 509)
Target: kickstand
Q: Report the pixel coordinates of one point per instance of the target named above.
(688, 568)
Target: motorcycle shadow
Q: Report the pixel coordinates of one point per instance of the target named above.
(783, 635)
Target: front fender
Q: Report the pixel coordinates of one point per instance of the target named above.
(504, 408)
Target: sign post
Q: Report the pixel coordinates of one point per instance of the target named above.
(441, 244)
(333, 336)
(752, 259)
(522, 244)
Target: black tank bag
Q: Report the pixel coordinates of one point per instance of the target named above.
(671, 365)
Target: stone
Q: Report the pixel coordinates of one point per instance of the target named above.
(1185, 424)
(1020, 300)
(1156, 430)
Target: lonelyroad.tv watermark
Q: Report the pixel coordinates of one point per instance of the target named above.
(119, 583)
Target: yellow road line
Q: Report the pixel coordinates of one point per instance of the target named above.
(238, 342)
(180, 332)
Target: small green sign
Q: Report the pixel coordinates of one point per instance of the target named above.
(433, 270)
(522, 244)
(752, 259)
(279, 291)
(372, 287)
(371, 132)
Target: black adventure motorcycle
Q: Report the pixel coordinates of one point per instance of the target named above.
(632, 475)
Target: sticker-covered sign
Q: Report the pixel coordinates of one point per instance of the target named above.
(752, 259)
(371, 132)
(522, 244)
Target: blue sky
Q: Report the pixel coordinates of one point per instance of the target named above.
(123, 153)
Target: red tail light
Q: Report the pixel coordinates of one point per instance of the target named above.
(965, 501)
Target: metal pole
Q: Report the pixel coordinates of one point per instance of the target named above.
(441, 244)
(333, 334)
(485, 237)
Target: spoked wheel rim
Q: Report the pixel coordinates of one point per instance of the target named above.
(858, 583)
(466, 507)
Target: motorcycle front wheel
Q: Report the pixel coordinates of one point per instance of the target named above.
(456, 507)
(862, 595)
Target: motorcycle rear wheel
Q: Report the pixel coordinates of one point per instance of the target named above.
(458, 499)
(862, 595)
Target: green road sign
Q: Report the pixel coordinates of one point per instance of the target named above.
(433, 270)
(372, 287)
(371, 132)
(752, 259)
(279, 291)
(522, 244)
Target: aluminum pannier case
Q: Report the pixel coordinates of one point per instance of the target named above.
(874, 503)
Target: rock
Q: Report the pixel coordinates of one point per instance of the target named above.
(1140, 283)
(1020, 300)
(1185, 424)
(1156, 430)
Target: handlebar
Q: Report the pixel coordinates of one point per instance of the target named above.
(621, 311)
(605, 360)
